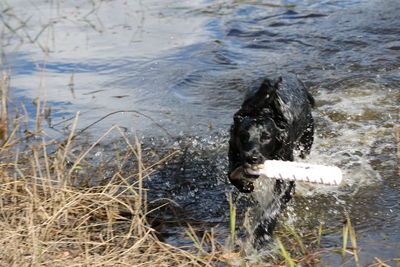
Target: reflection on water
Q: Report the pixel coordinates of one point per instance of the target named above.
(186, 65)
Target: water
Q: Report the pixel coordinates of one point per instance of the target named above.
(186, 66)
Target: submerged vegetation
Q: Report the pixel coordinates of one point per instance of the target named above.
(51, 214)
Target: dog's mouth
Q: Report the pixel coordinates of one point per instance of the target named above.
(245, 172)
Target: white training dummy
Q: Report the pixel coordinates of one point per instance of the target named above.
(298, 171)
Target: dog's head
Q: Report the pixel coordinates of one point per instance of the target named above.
(257, 140)
(258, 133)
(258, 128)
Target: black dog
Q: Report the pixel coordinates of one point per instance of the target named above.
(274, 121)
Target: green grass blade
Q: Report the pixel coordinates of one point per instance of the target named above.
(297, 237)
(319, 235)
(289, 261)
(345, 239)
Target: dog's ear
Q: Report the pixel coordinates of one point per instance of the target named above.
(264, 95)
(267, 90)
(277, 81)
(274, 102)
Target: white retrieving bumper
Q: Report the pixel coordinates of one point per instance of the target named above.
(298, 171)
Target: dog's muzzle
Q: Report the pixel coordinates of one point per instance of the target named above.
(241, 173)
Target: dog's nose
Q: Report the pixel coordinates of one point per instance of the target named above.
(252, 159)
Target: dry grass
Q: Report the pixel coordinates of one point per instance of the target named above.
(47, 219)
(52, 226)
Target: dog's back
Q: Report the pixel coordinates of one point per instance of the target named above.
(296, 108)
(294, 100)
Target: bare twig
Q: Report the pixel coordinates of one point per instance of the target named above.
(398, 148)
(121, 111)
(4, 107)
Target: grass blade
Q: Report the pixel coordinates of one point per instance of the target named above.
(345, 239)
(297, 237)
(289, 261)
(319, 235)
(232, 219)
(353, 240)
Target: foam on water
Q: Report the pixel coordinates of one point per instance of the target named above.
(350, 123)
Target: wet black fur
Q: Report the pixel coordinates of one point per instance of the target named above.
(274, 120)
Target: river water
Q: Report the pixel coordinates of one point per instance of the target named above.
(185, 67)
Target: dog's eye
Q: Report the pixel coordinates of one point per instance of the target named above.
(265, 137)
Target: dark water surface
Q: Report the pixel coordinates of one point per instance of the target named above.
(186, 65)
